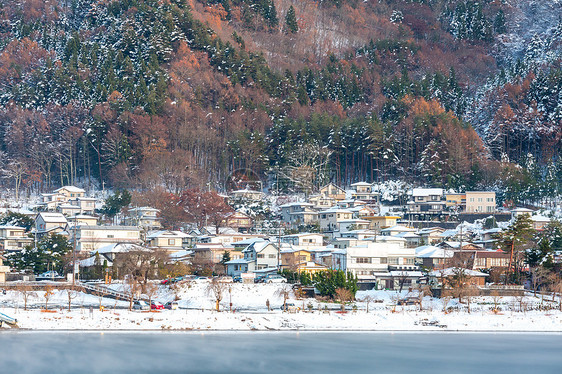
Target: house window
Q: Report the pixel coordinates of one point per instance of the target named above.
(110, 236)
(383, 260)
(393, 260)
(261, 255)
(171, 241)
(409, 261)
(363, 260)
(272, 256)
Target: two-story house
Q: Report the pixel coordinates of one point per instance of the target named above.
(299, 213)
(171, 241)
(13, 238)
(382, 263)
(265, 254)
(480, 202)
(330, 218)
(333, 192)
(364, 191)
(145, 217)
(238, 220)
(91, 238)
(303, 240)
(49, 223)
(427, 201)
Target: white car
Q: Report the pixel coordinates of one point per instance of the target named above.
(275, 278)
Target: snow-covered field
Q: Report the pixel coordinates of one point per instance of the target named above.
(250, 313)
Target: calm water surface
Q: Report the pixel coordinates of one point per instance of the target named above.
(279, 352)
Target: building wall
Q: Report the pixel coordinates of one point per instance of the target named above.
(480, 202)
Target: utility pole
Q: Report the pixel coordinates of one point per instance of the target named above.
(74, 253)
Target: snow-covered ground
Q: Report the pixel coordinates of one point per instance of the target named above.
(250, 313)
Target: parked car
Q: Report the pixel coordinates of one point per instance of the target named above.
(275, 278)
(225, 279)
(289, 307)
(172, 305)
(49, 274)
(140, 305)
(237, 279)
(259, 279)
(156, 305)
(409, 301)
(201, 279)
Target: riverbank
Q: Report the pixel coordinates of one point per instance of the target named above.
(372, 311)
(186, 320)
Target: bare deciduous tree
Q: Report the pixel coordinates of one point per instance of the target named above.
(26, 292)
(131, 288)
(150, 291)
(72, 293)
(217, 289)
(496, 298)
(343, 295)
(367, 300)
(285, 293)
(47, 295)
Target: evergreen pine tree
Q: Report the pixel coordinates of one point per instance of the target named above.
(291, 20)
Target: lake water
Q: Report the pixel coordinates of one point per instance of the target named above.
(278, 352)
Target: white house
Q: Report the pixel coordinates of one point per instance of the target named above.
(304, 239)
(91, 238)
(13, 238)
(372, 262)
(47, 223)
(171, 241)
(330, 218)
(265, 254)
(145, 217)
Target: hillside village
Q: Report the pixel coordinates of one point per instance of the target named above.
(392, 247)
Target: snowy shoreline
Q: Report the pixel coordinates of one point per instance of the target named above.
(530, 314)
(208, 321)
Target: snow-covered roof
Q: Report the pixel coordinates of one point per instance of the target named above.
(288, 205)
(360, 184)
(239, 261)
(335, 210)
(521, 210)
(257, 246)
(91, 261)
(453, 271)
(53, 217)
(406, 235)
(168, 234)
(354, 220)
(539, 218)
(180, 254)
(120, 248)
(144, 209)
(448, 233)
(70, 189)
(11, 227)
(248, 241)
(402, 273)
(398, 228)
(427, 192)
(431, 251)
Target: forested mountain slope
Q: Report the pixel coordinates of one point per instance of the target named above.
(178, 94)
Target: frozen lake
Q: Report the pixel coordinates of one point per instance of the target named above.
(278, 352)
